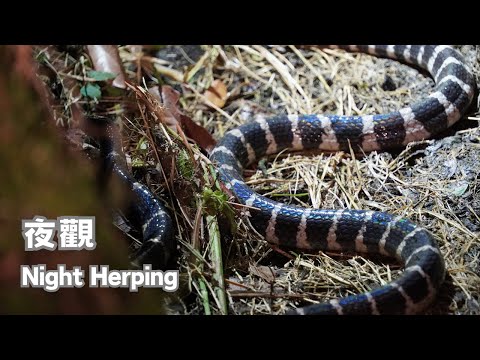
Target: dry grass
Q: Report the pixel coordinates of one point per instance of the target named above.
(434, 183)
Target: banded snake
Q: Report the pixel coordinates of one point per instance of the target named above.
(356, 230)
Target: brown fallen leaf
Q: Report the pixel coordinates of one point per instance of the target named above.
(155, 92)
(166, 110)
(264, 272)
(198, 133)
(165, 115)
(170, 98)
(150, 99)
(217, 93)
(107, 59)
(194, 131)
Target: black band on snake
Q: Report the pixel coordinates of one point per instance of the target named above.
(356, 230)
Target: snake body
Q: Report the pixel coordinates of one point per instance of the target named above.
(356, 230)
(155, 223)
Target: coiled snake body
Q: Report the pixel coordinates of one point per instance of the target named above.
(338, 230)
(356, 230)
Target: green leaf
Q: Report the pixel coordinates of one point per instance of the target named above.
(137, 162)
(101, 75)
(216, 202)
(142, 146)
(185, 165)
(91, 91)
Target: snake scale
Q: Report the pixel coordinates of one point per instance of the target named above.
(360, 231)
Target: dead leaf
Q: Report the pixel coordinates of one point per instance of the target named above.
(198, 133)
(152, 101)
(217, 93)
(169, 114)
(165, 115)
(107, 59)
(170, 99)
(194, 131)
(264, 272)
(155, 92)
